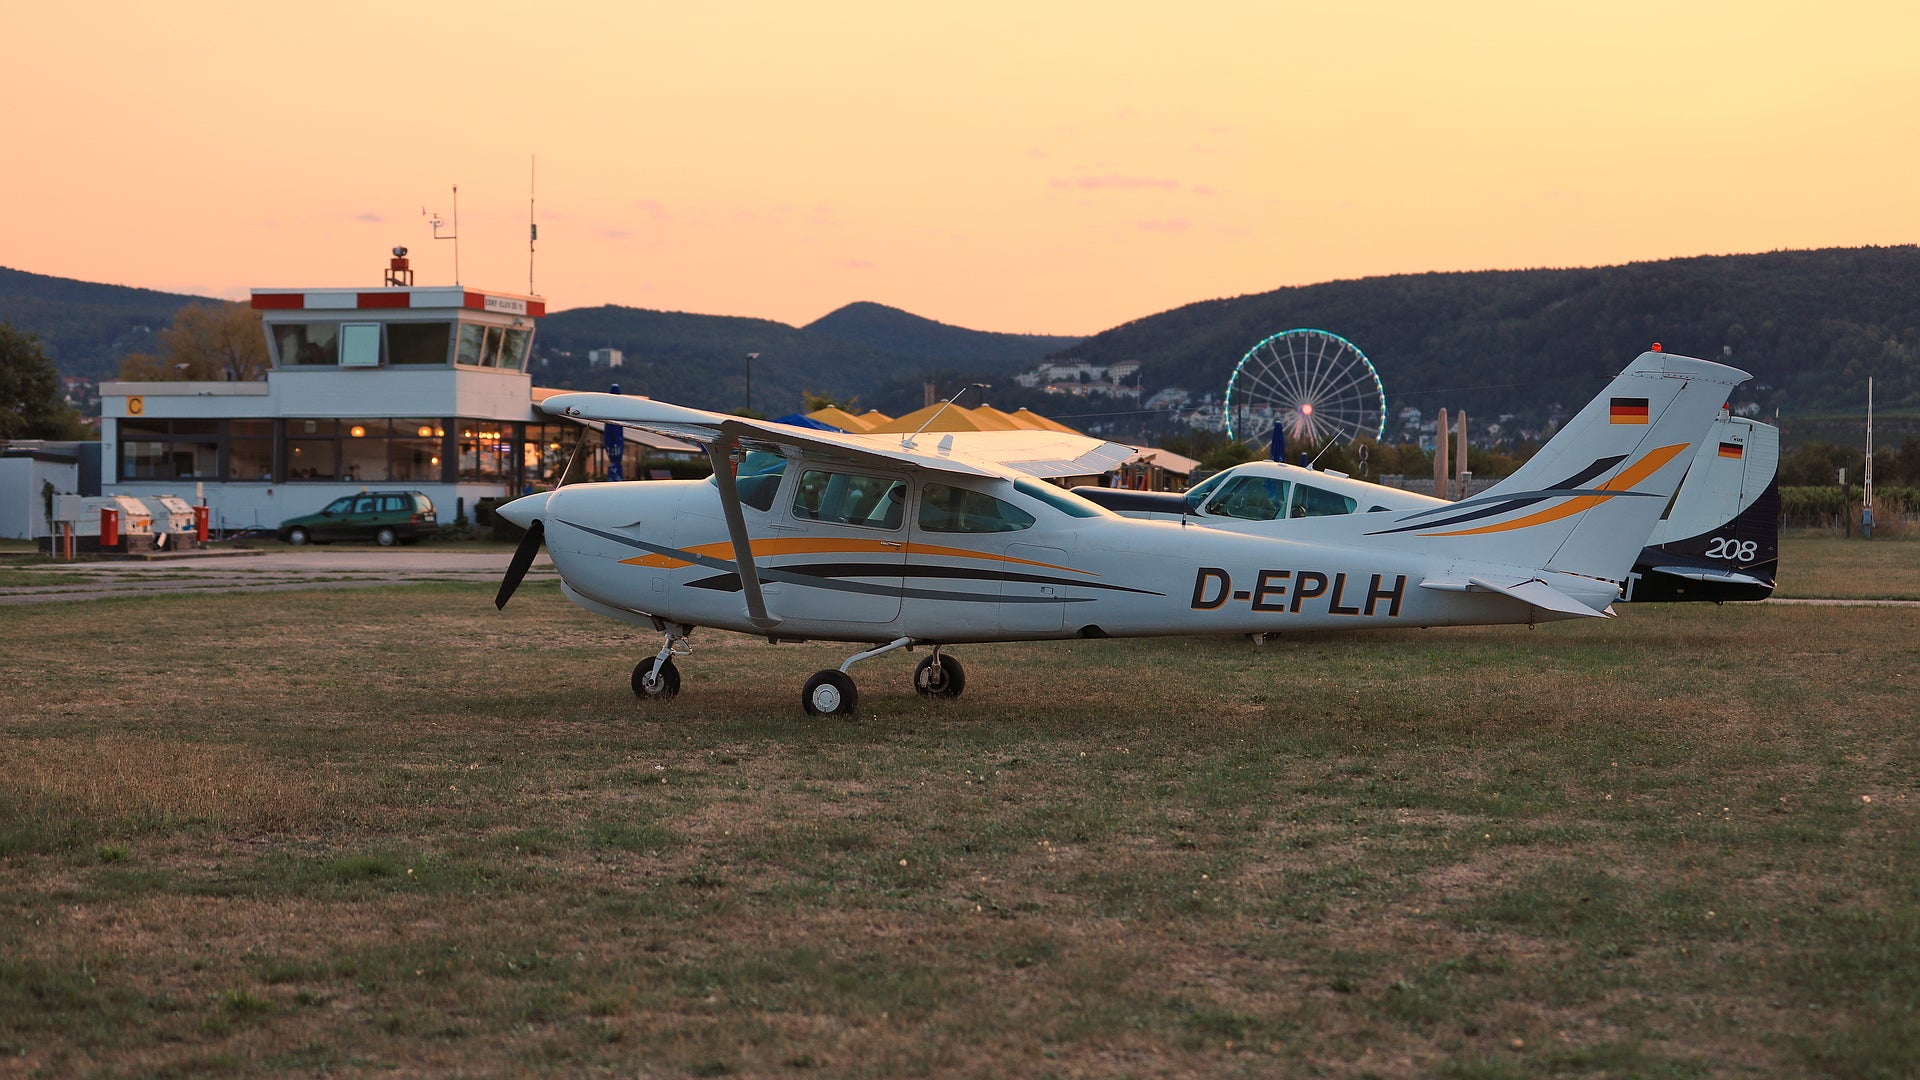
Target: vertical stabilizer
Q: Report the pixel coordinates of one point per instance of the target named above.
(1587, 501)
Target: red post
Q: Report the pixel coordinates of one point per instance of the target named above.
(109, 527)
(200, 517)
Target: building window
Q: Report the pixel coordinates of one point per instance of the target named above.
(249, 450)
(472, 344)
(170, 450)
(514, 344)
(360, 345)
(413, 453)
(486, 450)
(418, 343)
(307, 344)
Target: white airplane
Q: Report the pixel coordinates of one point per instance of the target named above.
(1718, 540)
(896, 542)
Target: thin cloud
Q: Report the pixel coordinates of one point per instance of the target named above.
(371, 218)
(1115, 182)
(857, 264)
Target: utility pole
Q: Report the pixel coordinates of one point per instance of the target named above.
(751, 357)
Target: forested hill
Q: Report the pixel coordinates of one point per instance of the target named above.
(85, 327)
(906, 334)
(701, 360)
(1810, 325)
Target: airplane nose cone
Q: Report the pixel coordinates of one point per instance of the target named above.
(525, 509)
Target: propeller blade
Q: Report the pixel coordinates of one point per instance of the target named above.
(522, 559)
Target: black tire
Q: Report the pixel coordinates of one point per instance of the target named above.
(829, 693)
(386, 537)
(299, 537)
(940, 676)
(665, 686)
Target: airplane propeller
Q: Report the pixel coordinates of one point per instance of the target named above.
(522, 559)
(536, 532)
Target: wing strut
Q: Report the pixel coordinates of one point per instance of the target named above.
(720, 453)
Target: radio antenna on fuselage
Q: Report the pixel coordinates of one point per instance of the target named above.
(907, 443)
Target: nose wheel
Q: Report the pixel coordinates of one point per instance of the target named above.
(655, 678)
(650, 685)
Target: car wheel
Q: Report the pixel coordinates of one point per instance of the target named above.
(386, 537)
(298, 537)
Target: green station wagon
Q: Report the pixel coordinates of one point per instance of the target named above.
(385, 517)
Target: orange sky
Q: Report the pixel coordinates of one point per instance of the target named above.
(1020, 166)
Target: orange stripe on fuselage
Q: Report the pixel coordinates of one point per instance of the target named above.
(1627, 477)
(775, 547)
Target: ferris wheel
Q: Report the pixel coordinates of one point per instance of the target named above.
(1316, 386)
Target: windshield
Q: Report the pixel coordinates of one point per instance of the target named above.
(757, 479)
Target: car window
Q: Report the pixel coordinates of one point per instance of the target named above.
(365, 504)
(874, 502)
(948, 509)
(1250, 498)
(340, 505)
(393, 503)
(1310, 501)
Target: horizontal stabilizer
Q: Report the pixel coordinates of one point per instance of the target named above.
(1533, 592)
(1726, 577)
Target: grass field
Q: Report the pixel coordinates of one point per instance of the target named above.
(393, 830)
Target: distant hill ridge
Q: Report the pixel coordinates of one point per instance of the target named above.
(1811, 326)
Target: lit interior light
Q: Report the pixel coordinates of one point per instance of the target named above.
(357, 431)
(425, 431)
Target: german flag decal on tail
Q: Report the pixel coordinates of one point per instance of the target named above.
(1627, 410)
(1732, 450)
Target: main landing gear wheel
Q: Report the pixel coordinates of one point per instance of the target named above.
(940, 675)
(648, 687)
(829, 693)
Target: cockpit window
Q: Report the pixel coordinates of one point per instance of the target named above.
(1197, 494)
(1249, 498)
(947, 509)
(1309, 501)
(872, 502)
(1064, 501)
(758, 479)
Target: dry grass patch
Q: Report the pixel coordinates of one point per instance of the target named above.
(394, 830)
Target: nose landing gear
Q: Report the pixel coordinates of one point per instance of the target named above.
(657, 678)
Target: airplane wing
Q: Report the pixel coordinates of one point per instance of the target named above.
(1041, 454)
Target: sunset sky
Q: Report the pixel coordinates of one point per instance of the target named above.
(1020, 166)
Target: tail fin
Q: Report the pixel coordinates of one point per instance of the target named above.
(1720, 538)
(1587, 501)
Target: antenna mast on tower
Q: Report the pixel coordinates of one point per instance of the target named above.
(533, 226)
(454, 235)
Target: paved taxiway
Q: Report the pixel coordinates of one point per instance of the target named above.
(265, 570)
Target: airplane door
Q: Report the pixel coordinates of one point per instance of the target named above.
(850, 550)
(1033, 605)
